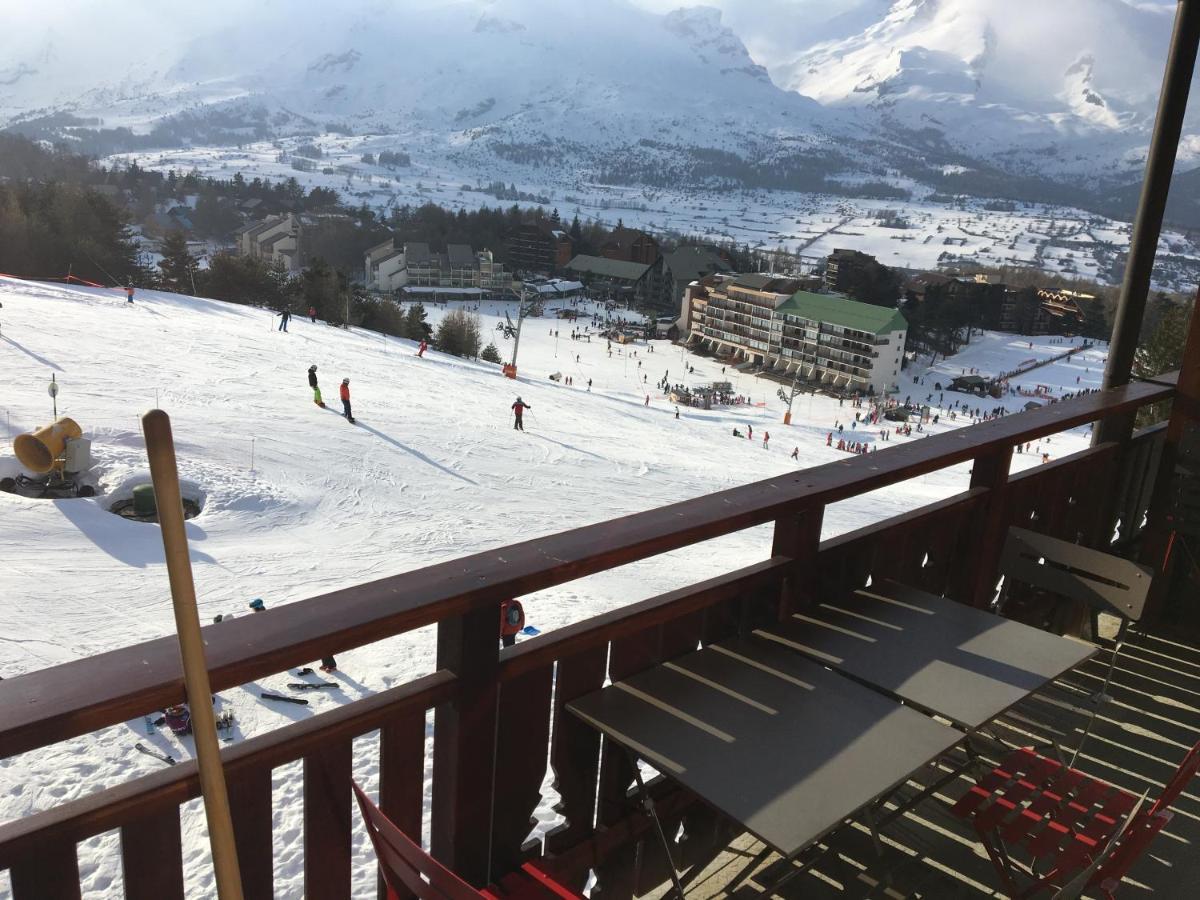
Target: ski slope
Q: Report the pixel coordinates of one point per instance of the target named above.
(298, 502)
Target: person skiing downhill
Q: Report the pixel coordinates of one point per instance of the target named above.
(421, 349)
(129, 293)
(344, 393)
(312, 383)
(283, 319)
(518, 409)
(312, 314)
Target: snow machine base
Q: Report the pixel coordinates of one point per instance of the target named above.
(46, 487)
(125, 509)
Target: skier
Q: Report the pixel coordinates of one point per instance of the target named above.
(312, 314)
(589, 385)
(677, 412)
(512, 620)
(129, 293)
(647, 399)
(422, 348)
(283, 319)
(766, 439)
(312, 383)
(749, 432)
(796, 453)
(344, 393)
(518, 409)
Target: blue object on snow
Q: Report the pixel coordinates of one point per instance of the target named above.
(530, 630)
(257, 604)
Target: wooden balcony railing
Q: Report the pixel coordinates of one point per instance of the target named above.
(503, 711)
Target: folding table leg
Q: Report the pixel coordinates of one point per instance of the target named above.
(648, 805)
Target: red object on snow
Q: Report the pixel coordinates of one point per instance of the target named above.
(512, 617)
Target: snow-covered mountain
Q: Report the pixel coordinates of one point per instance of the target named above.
(987, 90)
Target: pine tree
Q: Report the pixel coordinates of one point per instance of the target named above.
(458, 333)
(415, 327)
(490, 353)
(1163, 352)
(178, 265)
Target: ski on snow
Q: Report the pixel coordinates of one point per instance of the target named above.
(162, 757)
(267, 695)
(305, 686)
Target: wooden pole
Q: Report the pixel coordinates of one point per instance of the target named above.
(160, 447)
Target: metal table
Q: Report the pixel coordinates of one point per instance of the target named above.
(779, 744)
(946, 658)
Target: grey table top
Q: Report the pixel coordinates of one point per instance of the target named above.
(781, 745)
(942, 656)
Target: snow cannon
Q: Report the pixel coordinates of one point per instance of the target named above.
(39, 451)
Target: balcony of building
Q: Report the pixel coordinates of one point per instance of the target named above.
(500, 727)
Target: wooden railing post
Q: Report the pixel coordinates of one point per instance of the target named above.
(984, 537)
(464, 744)
(798, 536)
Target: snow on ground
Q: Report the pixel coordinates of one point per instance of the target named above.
(298, 502)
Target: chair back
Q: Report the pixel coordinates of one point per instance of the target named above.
(406, 867)
(1104, 582)
(1179, 780)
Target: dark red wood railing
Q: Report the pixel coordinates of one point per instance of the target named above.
(503, 711)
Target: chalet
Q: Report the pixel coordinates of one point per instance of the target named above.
(612, 279)
(274, 240)
(684, 265)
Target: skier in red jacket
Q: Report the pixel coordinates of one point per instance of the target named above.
(518, 409)
(344, 393)
(421, 349)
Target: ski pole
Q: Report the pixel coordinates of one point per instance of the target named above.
(160, 448)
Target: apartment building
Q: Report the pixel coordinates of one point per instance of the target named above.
(738, 310)
(274, 240)
(842, 343)
(822, 338)
(415, 268)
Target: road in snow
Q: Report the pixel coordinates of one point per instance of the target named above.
(432, 471)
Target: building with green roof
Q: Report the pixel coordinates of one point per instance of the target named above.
(840, 342)
(820, 338)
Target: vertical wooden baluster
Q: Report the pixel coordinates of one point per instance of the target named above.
(402, 779)
(327, 798)
(250, 808)
(50, 873)
(575, 752)
(798, 536)
(464, 740)
(987, 529)
(523, 737)
(152, 857)
(617, 875)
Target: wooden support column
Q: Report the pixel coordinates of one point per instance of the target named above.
(798, 536)
(464, 744)
(979, 557)
(52, 873)
(1162, 522)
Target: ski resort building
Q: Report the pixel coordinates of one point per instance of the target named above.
(274, 240)
(770, 322)
(416, 269)
(538, 247)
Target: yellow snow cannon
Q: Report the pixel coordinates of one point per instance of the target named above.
(39, 450)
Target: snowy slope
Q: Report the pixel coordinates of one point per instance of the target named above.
(432, 471)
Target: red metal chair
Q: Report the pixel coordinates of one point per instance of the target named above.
(410, 871)
(1062, 823)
